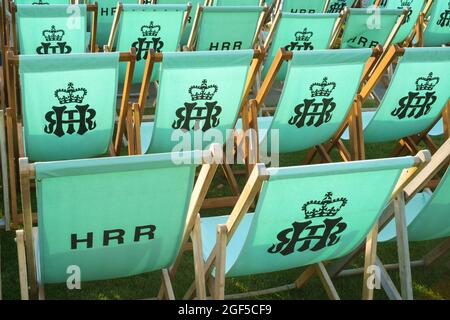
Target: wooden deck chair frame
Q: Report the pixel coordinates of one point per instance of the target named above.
(137, 114)
(27, 271)
(411, 186)
(225, 232)
(14, 137)
(421, 24)
(93, 8)
(251, 113)
(191, 45)
(115, 25)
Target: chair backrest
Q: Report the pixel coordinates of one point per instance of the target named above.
(106, 12)
(437, 32)
(299, 32)
(188, 28)
(227, 28)
(51, 29)
(415, 97)
(310, 214)
(317, 94)
(219, 3)
(366, 28)
(42, 2)
(144, 27)
(415, 8)
(68, 104)
(101, 215)
(199, 98)
(336, 6)
(304, 6)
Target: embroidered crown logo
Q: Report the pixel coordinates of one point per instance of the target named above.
(53, 34)
(40, 3)
(70, 95)
(427, 83)
(203, 92)
(304, 35)
(327, 207)
(406, 3)
(323, 89)
(150, 30)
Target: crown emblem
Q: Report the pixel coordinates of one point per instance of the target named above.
(40, 3)
(70, 95)
(327, 207)
(304, 35)
(323, 89)
(406, 3)
(427, 83)
(53, 34)
(150, 30)
(203, 92)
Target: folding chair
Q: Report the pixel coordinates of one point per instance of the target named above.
(437, 29)
(299, 32)
(415, 100)
(82, 225)
(367, 28)
(409, 222)
(211, 89)
(317, 98)
(68, 105)
(53, 29)
(304, 216)
(145, 27)
(226, 28)
(304, 6)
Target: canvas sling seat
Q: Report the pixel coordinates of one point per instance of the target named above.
(231, 3)
(81, 220)
(294, 203)
(304, 6)
(433, 27)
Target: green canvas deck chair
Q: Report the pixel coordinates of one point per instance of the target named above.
(226, 28)
(299, 32)
(304, 6)
(436, 32)
(304, 216)
(316, 99)
(81, 221)
(211, 88)
(413, 102)
(145, 27)
(190, 19)
(68, 105)
(53, 29)
(366, 28)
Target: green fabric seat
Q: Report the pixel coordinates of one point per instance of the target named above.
(188, 28)
(317, 94)
(304, 6)
(42, 2)
(300, 32)
(359, 31)
(227, 28)
(144, 27)
(67, 111)
(307, 214)
(415, 97)
(437, 32)
(228, 3)
(100, 215)
(427, 215)
(50, 29)
(202, 81)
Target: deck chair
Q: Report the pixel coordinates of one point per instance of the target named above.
(366, 28)
(53, 29)
(226, 28)
(212, 89)
(304, 6)
(299, 32)
(81, 221)
(68, 105)
(437, 30)
(317, 97)
(414, 102)
(294, 203)
(145, 27)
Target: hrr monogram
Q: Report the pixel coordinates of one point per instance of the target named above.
(148, 41)
(302, 41)
(54, 43)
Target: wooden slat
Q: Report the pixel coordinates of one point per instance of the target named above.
(21, 258)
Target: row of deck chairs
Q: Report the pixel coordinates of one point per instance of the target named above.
(61, 107)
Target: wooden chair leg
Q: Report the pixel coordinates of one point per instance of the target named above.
(221, 247)
(437, 252)
(10, 127)
(369, 261)
(4, 171)
(23, 280)
(305, 276)
(326, 281)
(387, 283)
(200, 287)
(229, 175)
(168, 290)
